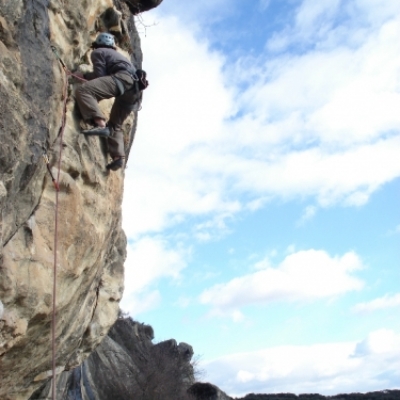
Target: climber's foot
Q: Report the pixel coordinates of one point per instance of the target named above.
(98, 131)
(116, 164)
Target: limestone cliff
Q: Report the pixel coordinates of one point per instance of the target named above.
(91, 244)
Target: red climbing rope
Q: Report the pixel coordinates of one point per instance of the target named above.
(56, 183)
(69, 73)
(57, 187)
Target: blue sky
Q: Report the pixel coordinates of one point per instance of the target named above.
(262, 190)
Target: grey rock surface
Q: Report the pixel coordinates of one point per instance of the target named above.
(207, 391)
(138, 6)
(127, 365)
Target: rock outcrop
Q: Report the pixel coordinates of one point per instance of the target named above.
(127, 365)
(207, 391)
(137, 7)
(91, 245)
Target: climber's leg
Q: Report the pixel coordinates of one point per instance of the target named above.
(116, 145)
(116, 164)
(87, 97)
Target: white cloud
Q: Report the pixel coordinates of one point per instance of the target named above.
(257, 204)
(375, 11)
(308, 214)
(322, 124)
(348, 177)
(328, 368)
(338, 96)
(326, 24)
(378, 342)
(302, 276)
(364, 108)
(149, 260)
(178, 115)
(135, 303)
(313, 15)
(380, 303)
(263, 264)
(213, 228)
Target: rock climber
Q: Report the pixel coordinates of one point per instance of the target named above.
(113, 76)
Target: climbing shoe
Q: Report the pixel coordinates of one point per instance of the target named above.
(116, 164)
(98, 131)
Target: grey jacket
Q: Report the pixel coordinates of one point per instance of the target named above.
(108, 62)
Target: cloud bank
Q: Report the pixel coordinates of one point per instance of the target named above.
(311, 116)
(320, 368)
(216, 134)
(148, 261)
(302, 276)
(381, 303)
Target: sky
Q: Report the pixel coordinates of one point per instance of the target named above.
(261, 199)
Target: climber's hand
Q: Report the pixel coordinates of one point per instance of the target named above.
(77, 75)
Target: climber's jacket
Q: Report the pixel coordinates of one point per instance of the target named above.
(108, 62)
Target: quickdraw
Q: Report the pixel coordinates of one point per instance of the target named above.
(47, 161)
(54, 49)
(67, 71)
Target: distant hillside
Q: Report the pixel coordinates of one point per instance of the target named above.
(379, 395)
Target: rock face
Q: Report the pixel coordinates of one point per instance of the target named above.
(127, 365)
(207, 391)
(90, 244)
(137, 7)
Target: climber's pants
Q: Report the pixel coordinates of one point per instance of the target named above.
(91, 92)
(118, 115)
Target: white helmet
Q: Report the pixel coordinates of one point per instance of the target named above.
(105, 39)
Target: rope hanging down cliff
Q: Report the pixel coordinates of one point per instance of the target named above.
(56, 183)
(123, 75)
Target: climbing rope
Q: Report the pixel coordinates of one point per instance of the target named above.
(66, 70)
(56, 183)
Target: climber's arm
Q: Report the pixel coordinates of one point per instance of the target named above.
(89, 76)
(99, 66)
(99, 63)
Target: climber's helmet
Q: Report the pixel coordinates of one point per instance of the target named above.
(104, 39)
